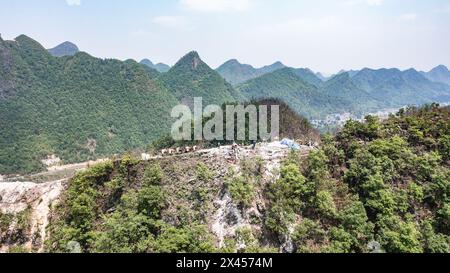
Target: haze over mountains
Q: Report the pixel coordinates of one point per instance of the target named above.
(439, 74)
(67, 103)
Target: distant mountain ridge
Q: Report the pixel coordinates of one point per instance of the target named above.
(80, 107)
(235, 72)
(397, 87)
(160, 67)
(64, 49)
(285, 84)
(438, 74)
(367, 91)
(309, 76)
(342, 86)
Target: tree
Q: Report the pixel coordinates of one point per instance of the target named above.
(308, 236)
(397, 236)
(190, 239)
(241, 190)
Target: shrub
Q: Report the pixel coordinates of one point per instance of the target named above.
(325, 204)
(153, 176)
(151, 200)
(190, 239)
(434, 242)
(204, 173)
(354, 220)
(126, 232)
(308, 236)
(5, 221)
(241, 190)
(279, 217)
(397, 236)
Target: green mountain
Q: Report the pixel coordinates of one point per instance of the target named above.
(160, 67)
(190, 77)
(80, 107)
(341, 86)
(309, 76)
(303, 97)
(236, 73)
(351, 73)
(271, 68)
(399, 88)
(75, 107)
(64, 49)
(439, 74)
(322, 77)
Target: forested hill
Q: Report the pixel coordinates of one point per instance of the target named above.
(301, 96)
(396, 87)
(76, 107)
(375, 187)
(235, 72)
(79, 107)
(361, 92)
(160, 67)
(190, 77)
(64, 49)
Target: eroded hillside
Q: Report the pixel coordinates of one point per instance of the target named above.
(205, 189)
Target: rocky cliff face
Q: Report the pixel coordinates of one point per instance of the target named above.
(24, 213)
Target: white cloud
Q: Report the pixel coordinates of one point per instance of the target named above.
(217, 5)
(174, 22)
(408, 17)
(73, 2)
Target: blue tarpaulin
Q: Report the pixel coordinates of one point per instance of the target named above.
(290, 143)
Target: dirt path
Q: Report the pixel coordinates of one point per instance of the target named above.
(52, 173)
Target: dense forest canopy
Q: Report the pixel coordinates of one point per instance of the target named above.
(76, 107)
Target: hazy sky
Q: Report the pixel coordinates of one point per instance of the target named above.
(324, 35)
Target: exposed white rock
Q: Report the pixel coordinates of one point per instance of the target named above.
(145, 157)
(18, 196)
(227, 219)
(51, 160)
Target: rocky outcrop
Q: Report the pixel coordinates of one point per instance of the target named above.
(24, 213)
(25, 207)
